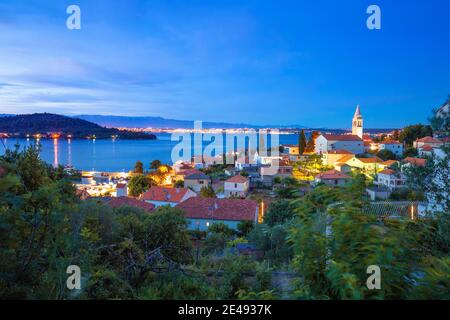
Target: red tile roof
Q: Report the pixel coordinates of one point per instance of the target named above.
(370, 160)
(121, 185)
(284, 163)
(427, 147)
(346, 158)
(389, 163)
(197, 176)
(340, 151)
(164, 194)
(429, 140)
(220, 209)
(416, 161)
(342, 137)
(237, 179)
(187, 172)
(387, 171)
(126, 201)
(332, 174)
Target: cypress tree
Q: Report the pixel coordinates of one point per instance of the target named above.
(301, 142)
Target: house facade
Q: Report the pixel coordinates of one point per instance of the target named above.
(121, 189)
(332, 178)
(390, 179)
(331, 142)
(331, 158)
(367, 165)
(201, 212)
(393, 146)
(197, 181)
(433, 142)
(237, 186)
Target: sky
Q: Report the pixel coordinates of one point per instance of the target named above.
(248, 61)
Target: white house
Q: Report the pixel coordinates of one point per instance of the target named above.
(330, 142)
(433, 142)
(121, 189)
(236, 186)
(201, 213)
(393, 146)
(391, 179)
(332, 178)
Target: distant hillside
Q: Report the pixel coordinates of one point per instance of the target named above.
(158, 122)
(47, 123)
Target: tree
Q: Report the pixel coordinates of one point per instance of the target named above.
(244, 173)
(311, 144)
(386, 155)
(138, 185)
(410, 152)
(396, 135)
(301, 142)
(179, 184)
(222, 228)
(411, 133)
(207, 192)
(279, 212)
(139, 167)
(245, 227)
(155, 164)
(440, 120)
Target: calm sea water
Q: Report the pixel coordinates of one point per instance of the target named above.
(108, 155)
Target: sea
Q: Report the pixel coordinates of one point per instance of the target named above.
(111, 155)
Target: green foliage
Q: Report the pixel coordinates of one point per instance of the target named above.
(403, 194)
(311, 144)
(411, 133)
(207, 192)
(386, 155)
(139, 167)
(138, 185)
(279, 212)
(235, 268)
(155, 164)
(410, 152)
(244, 173)
(179, 184)
(245, 227)
(433, 179)
(222, 228)
(301, 142)
(179, 286)
(335, 243)
(272, 242)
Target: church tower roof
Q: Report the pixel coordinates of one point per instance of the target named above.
(357, 111)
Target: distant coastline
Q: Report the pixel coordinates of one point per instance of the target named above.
(47, 125)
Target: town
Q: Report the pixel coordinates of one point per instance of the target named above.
(209, 191)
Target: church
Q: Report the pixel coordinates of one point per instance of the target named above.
(348, 142)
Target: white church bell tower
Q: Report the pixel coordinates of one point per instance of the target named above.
(357, 123)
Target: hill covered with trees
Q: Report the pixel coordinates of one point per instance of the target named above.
(48, 124)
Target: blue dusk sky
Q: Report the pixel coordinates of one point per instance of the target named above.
(253, 61)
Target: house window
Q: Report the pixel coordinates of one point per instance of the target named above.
(201, 182)
(235, 185)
